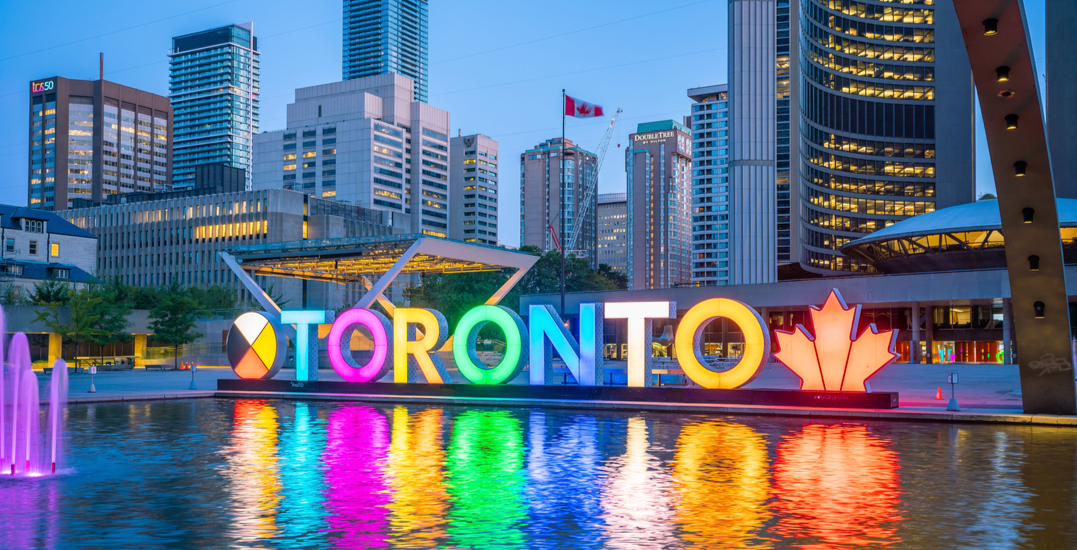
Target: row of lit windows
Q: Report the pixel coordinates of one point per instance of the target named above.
(869, 89)
(836, 262)
(881, 13)
(874, 31)
(924, 73)
(839, 142)
(216, 231)
(867, 187)
(169, 214)
(851, 224)
(869, 206)
(869, 167)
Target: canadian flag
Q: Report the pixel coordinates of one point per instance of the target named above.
(581, 109)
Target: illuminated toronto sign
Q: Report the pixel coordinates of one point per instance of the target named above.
(834, 359)
(43, 86)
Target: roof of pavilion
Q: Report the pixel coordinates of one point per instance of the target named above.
(351, 259)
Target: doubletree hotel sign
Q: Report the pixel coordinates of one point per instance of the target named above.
(835, 358)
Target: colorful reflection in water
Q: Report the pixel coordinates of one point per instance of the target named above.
(420, 500)
(721, 483)
(357, 491)
(254, 470)
(837, 485)
(486, 480)
(636, 501)
(286, 474)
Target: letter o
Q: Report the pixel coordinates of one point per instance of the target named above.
(756, 343)
(463, 345)
(340, 339)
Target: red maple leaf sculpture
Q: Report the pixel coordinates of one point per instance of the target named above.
(835, 359)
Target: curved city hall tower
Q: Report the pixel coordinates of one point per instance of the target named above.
(867, 120)
(887, 127)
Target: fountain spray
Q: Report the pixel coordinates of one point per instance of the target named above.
(57, 403)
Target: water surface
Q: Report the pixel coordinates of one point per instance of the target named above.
(222, 473)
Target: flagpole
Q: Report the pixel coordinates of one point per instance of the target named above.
(561, 212)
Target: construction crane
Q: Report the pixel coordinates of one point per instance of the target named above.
(589, 190)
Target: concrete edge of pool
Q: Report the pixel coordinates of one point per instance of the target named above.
(985, 416)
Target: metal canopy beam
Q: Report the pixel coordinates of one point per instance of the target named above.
(997, 40)
(354, 260)
(349, 260)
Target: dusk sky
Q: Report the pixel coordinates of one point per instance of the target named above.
(498, 67)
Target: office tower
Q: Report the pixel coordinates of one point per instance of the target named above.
(473, 189)
(387, 36)
(213, 85)
(881, 125)
(710, 185)
(658, 165)
(152, 239)
(753, 149)
(613, 231)
(540, 198)
(364, 142)
(93, 138)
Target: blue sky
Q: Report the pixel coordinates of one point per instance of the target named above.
(497, 66)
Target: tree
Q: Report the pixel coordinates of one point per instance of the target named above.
(618, 278)
(84, 318)
(453, 294)
(174, 317)
(50, 291)
(987, 197)
(545, 276)
(112, 313)
(10, 294)
(277, 298)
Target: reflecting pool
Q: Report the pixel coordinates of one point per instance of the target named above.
(221, 473)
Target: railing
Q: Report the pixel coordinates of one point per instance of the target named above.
(204, 348)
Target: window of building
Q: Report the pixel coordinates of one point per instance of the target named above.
(55, 250)
(61, 273)
(33, 248)
(34, 226)
(9, 245)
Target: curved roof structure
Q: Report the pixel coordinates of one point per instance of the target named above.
(967, 236)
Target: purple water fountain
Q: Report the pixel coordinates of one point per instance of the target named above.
(23, 450)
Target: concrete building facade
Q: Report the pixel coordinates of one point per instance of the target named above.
(151, 240)
(214, 83)
(709, 123)
(93, 138)
(388, 37)
(658, 166)
(540, 198)
(753, 148)
(613, 231)
(364, 142)
(473, 189)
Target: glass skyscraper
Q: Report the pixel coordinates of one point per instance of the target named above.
(387, 36)
(214, 84)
